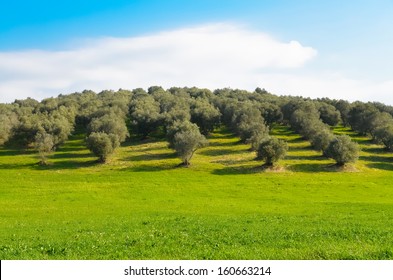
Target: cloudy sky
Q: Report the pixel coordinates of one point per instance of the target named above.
(336, 49)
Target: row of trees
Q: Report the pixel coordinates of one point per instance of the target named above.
(186, 116)
(366, 119)
(306, 119)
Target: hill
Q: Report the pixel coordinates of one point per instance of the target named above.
(141, 205)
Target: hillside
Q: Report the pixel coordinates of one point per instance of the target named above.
(141, 205)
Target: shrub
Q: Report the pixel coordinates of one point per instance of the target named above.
(187, 141)
(272, 150)
(343, 150)
(321, 140)
(102, 144)
(44, 144)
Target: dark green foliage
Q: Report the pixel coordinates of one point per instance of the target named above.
(305, 115)
(343, 150)
(289, 107)
(110, 124)
(186, 141)
(247, 121)
(343, 107)
(360, 116)
(44, 144)
(145, 114)
(365, 118)
(58, 126)
(205, 115)
(321, 140)
(329, 114)
(8, 120)
(271, 150)
(102, 144)
(172, 108)
(377, 121)
(271, 113)
(27, 103)
(258, 133)
(23, 134)
(384, 134)
(178, 126)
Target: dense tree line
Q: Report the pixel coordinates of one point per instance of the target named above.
(186, 117)
(368, 119)
(305, 117)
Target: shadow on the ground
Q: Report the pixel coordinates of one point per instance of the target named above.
(381, 165)
(374, 158)
(312, 167)
(152, 168)
(221, 152)
(239, 170)
(151, 156)
(307, 157)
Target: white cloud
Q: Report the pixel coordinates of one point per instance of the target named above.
(334, 86)
(212, 56)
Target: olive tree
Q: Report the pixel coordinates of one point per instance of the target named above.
(343, 150)
(8, 121)
(44, 144)
(205, 115)
(384, 134)
(321, 140)
(145, 114)
(102, 144)
(110, 124)
(186, 141)
(329, 114)
(271, 150)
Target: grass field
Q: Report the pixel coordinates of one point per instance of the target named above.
(140, 205)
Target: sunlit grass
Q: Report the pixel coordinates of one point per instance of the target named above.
(141, 205)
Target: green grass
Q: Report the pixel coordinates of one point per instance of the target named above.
(140, 205)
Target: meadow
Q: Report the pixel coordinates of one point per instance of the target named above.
(142, 205)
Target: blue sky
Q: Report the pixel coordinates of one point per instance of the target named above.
(339, 49)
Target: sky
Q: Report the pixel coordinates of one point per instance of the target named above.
(336, 49)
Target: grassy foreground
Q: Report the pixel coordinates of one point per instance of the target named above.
(224, 206)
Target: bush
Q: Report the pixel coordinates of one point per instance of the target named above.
(187, 141)
(343, 150)
(272, 150)
(384, 135)
(44, 144)
(102, 144)
(321, 140)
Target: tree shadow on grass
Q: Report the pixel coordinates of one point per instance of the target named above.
(70, 155)
(63, 165)
(17, 165)
(298, 139)
(223, 144)
(151, 156)
(302, 157)
(301, 148)
(133, 142)
(239, 170)
(363, 141)
(151, 168)
(222, 136)
(312, 167)
(69, 164)
(379, 162)
(381, 165)
(377, 159)
(221, 152)
(375, 150)
(16, 152)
